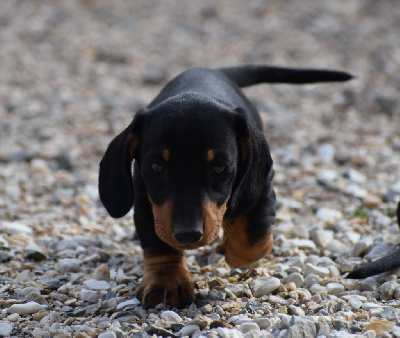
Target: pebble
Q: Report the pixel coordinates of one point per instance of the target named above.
(129, 302)
(316, 270)
(89, 296)
(14, 317)
(329, 216)
(264, 285)
(16, 228)
(107, 335)
(296, 278)
(95, 284)
(5, 329)
(334, 288)
(23, 309)
(67, 265)
(321, 237)
(188, 330)
(171, 316)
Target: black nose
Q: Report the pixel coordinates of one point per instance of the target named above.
(188, 237)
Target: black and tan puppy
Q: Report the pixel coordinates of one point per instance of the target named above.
(381, 265)
(201, 163)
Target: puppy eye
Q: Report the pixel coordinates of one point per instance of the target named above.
(219, 169)
(157, 167)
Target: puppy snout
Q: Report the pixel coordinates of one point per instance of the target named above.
(188, 236)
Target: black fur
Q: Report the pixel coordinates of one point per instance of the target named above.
(384, 264)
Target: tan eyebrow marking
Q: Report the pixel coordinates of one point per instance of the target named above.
(210, 155)
(165, 155)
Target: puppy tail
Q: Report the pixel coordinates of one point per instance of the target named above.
(252, 74)
(381, 265)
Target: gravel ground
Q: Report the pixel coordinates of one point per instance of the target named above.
(72, 75)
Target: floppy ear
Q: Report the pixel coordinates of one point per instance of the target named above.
(254, 168)
(115, 176)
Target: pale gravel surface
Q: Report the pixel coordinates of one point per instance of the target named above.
(73, 73)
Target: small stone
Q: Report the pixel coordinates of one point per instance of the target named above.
(109, 334)
(304, 244)
(36, 297)
(14, 317)
(16, 228)
(316, 270)
(94, 284)
(24, 276)
(326, 152)
(334, 288)
(89, 296)
(250, 326)
(296, 278)
(329, 216)
(372, 201)
(355, 176)
(264, 285)
(229, 333)
(363, 244)
(316, 288)
(40, 166)
(130, 302)
(311, 279)
(171, 316)
(295, 310)
(301, 327)
(67, 265)
(321, 237)
(387, 289)
(188, 330)
(337, 247)
(264, 323)
(396, 331)
(102, 272)
(369, 284)
(5, 329)
(23, 309)
(390, 313)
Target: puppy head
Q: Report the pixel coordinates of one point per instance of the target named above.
(194, 155)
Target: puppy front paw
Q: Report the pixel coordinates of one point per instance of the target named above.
(167, 280)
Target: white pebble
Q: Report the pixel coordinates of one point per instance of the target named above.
(316, 288)
(95, 284)
(321, 237)
(89, 296)
(304, 244)
(326, 152)
(14, 317)
(296, 278)
(396, 331)
(329, 216)
(133, 301)
(316, 270)
(264, 285)
(23, 309)
(247, 327)
(264, 323)
(229, 333)
(338, 247)
(16, 228)
(109, 334)
(188, 330)
(5, 329)
(67, 265)
(334, 288)
(171, 316)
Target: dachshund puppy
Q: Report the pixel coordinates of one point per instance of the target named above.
(202, 163)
